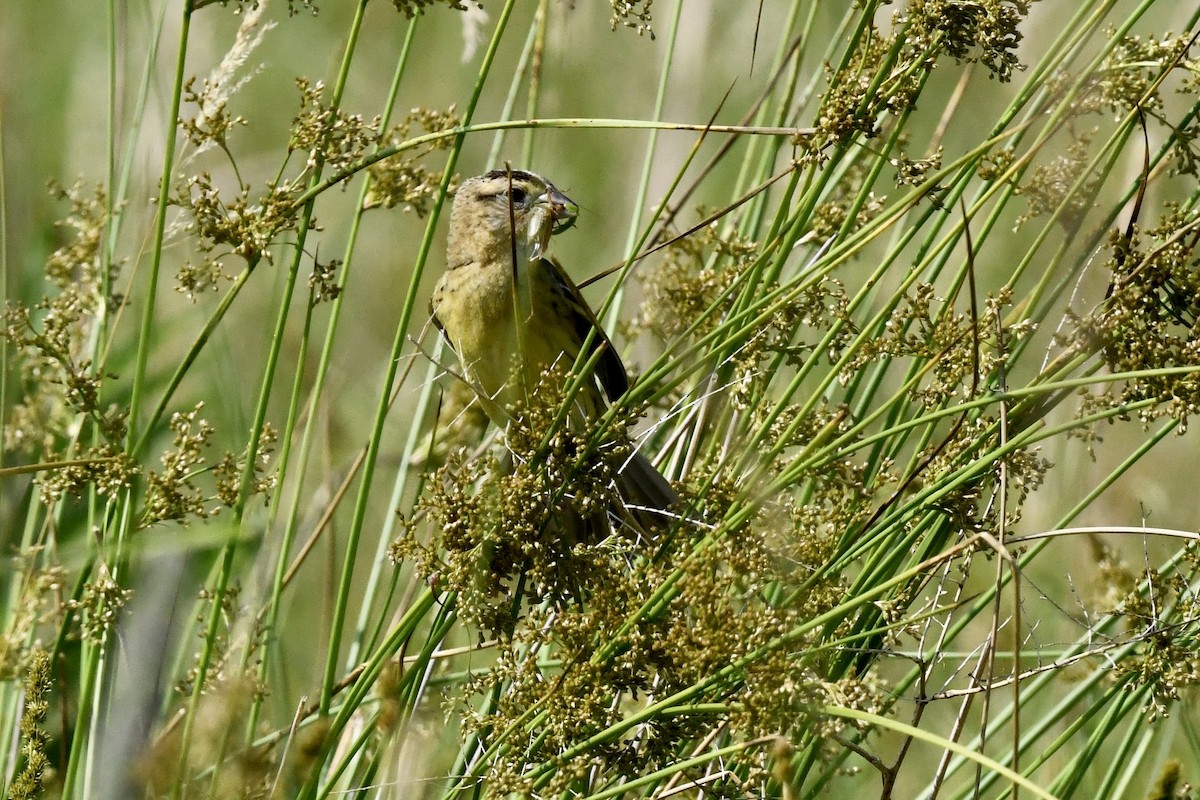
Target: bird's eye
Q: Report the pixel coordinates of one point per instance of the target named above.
(518, 196)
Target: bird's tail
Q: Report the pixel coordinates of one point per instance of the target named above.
(647, 494)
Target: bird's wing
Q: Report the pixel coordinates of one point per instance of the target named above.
(609, 368)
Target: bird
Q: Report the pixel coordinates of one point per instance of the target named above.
(503, 302)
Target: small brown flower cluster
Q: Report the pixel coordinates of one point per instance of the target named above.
(1062, 186)
(39, 597)
(250, 223)
(53, 342)
(1137, 77)
(1130, 76)
(694, 290)
(213, 121)
(99, 607)
(106, 467)
(247, 226)
(52, 338)
(241, 6)
(1163, 615)
(330, 135)
(983, 31)
(994, 163)
(403, 180)
(863, 90)
(1151, 319)
(922, 327)
(633, 14)
(913, 171)
(849, 107)
(411, 8)
(405, 183)
(696, 276)
(322, 282)
(174, 492)
(831, 218)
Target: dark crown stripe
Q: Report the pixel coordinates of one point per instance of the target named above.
(517, 175)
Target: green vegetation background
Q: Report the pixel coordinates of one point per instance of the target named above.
(70, 92)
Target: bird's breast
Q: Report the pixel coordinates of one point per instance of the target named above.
(476, 307)
(474, 304)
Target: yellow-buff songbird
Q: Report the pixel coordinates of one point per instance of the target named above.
(500, 228)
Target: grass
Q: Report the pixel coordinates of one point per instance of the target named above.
(910, 290)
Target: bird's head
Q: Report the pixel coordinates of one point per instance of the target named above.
(489, 209)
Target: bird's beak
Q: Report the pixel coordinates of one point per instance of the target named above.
(563, 210)
(553, 212)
